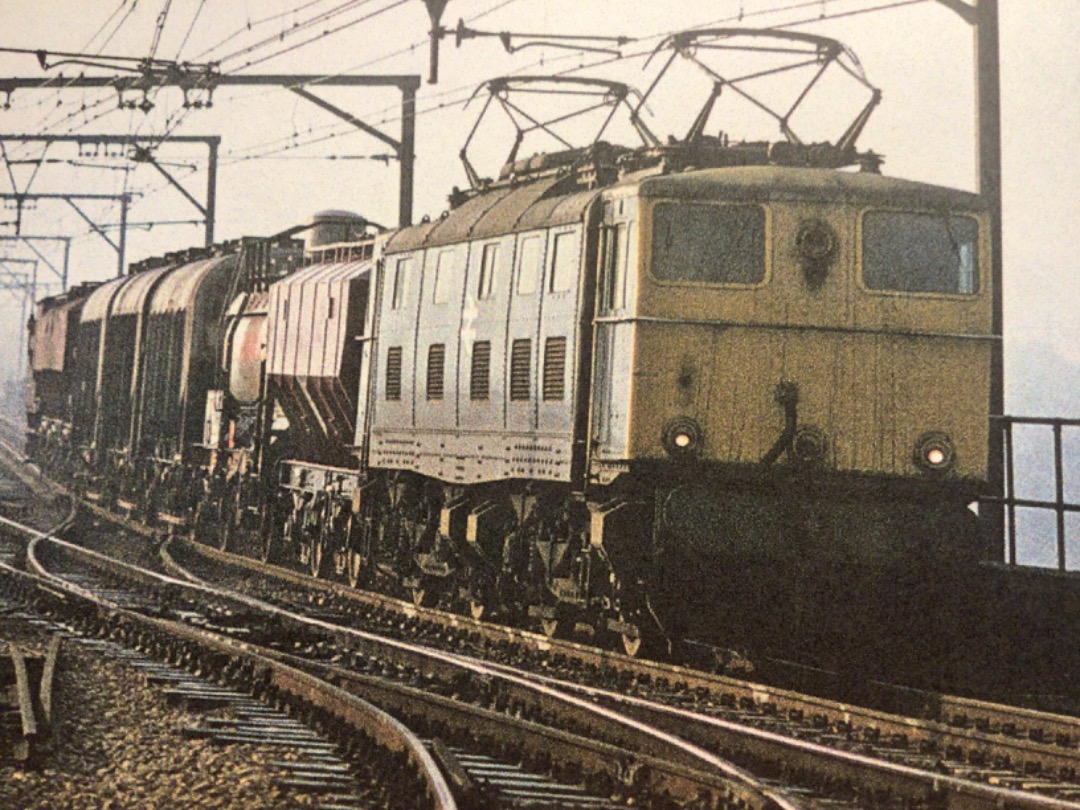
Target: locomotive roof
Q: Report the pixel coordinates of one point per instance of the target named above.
(762, 183)
(506, 209)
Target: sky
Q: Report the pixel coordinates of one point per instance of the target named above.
(276, 169)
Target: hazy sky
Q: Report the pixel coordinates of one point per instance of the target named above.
(918, 53)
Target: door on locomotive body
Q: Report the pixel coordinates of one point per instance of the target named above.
(483, 351)
(613, 335)
(392, 417)
(558, 337)
(438, 333)
(522, 334)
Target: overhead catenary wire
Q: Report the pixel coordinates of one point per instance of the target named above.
(191, 27)
(253, 24)
(350, 24)
(159, 28)
(456, 96)
(297, 28)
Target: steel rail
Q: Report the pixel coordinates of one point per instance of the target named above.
(679, 762)
(549, 698)
(347, 709)
(953, 731)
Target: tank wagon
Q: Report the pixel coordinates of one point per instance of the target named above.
(687, 390)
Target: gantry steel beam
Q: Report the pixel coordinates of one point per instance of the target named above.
(120, 245)
(301, 84)
(144, 146)
(28, 240)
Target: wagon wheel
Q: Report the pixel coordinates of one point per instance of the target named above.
(318, 540)
(226, 518)
(274, 540)
(358, 548)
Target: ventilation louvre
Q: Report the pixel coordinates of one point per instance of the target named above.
(520, 369)
(436, 366)
(554, 369)
(480, 381)
(393, 373)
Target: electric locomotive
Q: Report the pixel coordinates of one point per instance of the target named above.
(694, 390)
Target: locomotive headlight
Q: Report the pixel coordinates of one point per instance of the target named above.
(682, 437)
(934, 453)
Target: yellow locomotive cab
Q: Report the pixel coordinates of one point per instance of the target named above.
(857, 304)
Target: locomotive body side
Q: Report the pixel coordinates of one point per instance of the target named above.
(479, 340)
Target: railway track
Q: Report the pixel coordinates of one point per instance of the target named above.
(137, 623)
(977, 753)
(503, 739)
(977, 744)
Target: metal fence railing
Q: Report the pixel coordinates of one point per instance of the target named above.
(1028, 484)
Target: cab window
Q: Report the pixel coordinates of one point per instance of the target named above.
(709, 244)
(920, 253)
